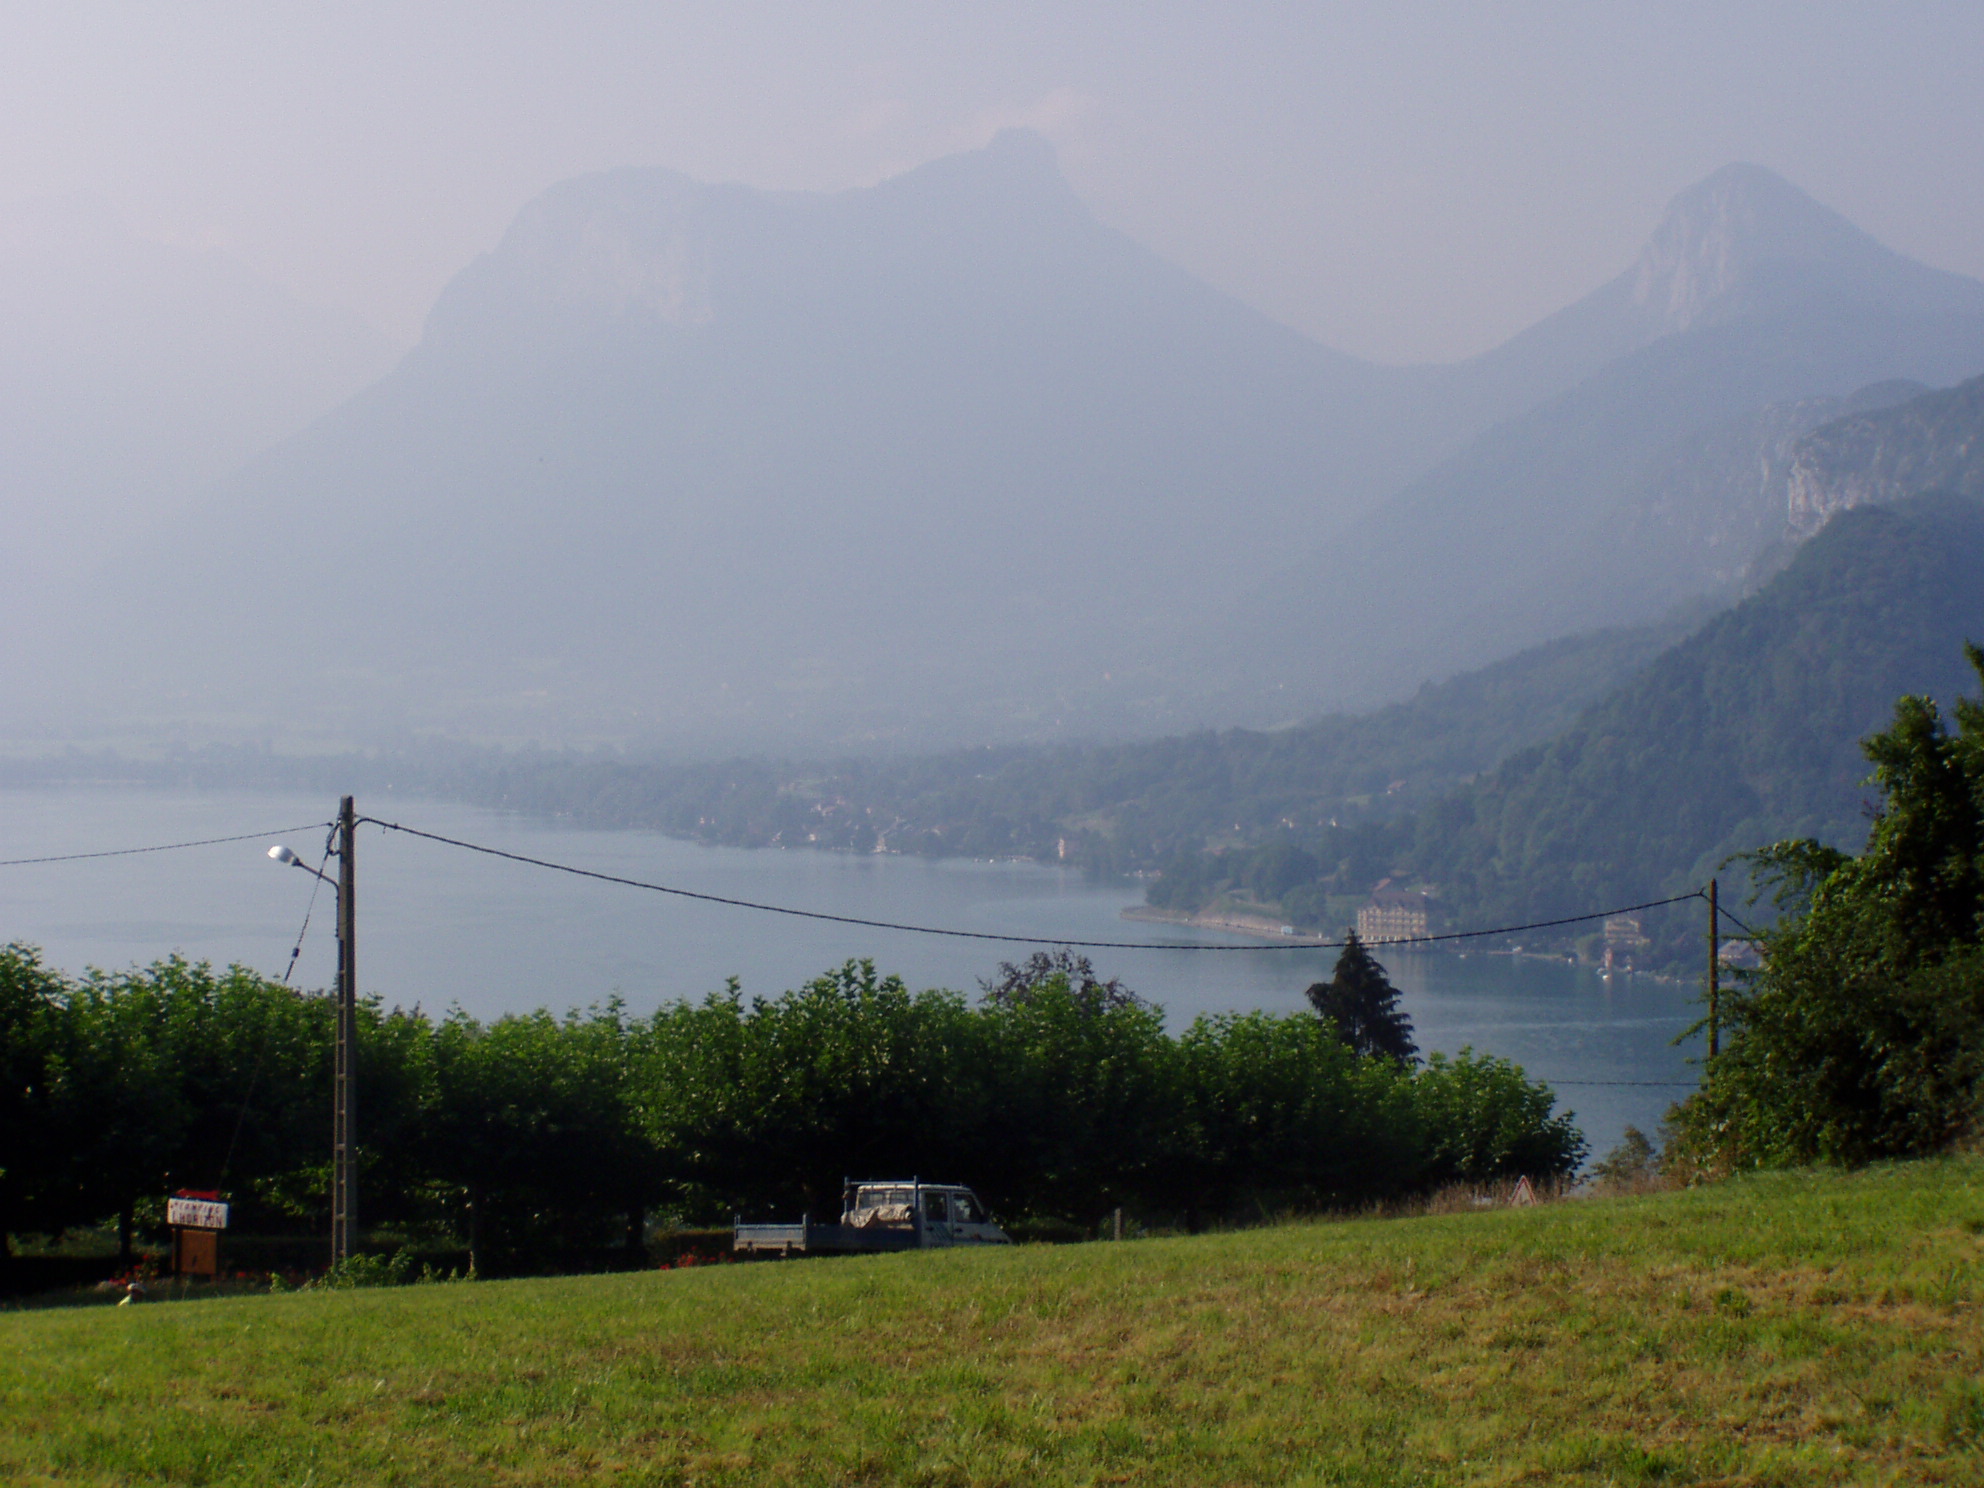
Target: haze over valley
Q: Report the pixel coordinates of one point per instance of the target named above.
(945, 460)
(964, 496)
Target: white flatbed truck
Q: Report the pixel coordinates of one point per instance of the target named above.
(899, 1215)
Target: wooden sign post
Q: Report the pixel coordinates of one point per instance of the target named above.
(197, 1218)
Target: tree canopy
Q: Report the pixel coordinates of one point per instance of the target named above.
(531, 1137)
(1361, 1004)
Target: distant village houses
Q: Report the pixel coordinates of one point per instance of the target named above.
(1623, 936)
(1395, 914)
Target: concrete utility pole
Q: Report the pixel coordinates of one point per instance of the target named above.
(344, 1126)
(1714, 972)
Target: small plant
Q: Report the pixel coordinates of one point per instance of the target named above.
(368, 1271)
(1733, 1302)
(1634, 1166)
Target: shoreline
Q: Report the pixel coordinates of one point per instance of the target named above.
(1236, 925)
(1260, 929)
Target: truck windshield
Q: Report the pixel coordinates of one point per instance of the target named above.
(965, 1210)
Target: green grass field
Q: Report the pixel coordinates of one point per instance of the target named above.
(1799, 1328)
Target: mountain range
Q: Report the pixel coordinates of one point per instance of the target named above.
(1610, 767)
(946, 460)
(1650, 482)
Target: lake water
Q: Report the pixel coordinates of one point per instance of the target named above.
(439, 926)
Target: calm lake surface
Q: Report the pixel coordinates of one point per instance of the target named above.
(439, 926)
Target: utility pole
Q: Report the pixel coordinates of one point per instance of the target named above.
(344, 1127)
(1714, 972)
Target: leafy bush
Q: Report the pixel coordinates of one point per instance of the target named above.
(1862, 1036)
(369, 1271)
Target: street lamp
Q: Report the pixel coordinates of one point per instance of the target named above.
(289, 859)
(344, 1120)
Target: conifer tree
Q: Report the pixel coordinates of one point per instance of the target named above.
(1362, 1005)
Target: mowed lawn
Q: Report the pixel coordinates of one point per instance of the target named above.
(1796, 1328)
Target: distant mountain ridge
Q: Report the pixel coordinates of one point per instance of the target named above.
(1742, 242)
(1747, 242)
(707, 463)
(1610, 503)
(945, 460)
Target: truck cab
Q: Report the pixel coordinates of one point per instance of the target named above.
(940, 1214)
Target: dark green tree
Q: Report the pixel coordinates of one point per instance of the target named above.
(33, 1154)
(1362, 1004)
(1283, 1113)
(1088, 1110)
(764, 1105)
(534, 1128)
(1862, 1036)
(1017, 982)
(1484, 1119)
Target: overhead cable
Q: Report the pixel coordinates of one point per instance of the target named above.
(131, 852)
(1100, 945)
(1727, 915)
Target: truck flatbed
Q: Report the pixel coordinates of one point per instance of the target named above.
(806, 1237)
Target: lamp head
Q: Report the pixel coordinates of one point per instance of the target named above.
(284, 856)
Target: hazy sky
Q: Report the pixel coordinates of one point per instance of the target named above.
(1402, 180)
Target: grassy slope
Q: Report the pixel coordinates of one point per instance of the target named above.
(1786, 1329)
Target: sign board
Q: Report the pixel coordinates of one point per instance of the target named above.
(1524, 1194)
(196, 1252)
(196, 1214)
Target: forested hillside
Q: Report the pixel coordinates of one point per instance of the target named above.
(1746, 732)
(1109, 808)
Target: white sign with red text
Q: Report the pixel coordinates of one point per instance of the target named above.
(196, 1214)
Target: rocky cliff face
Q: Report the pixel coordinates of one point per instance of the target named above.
(1931, 443)
(1712, 507)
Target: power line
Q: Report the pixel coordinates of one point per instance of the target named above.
(310, 908)
(811, 914)
(130, 852)
(1754, 935)
(1103, 945)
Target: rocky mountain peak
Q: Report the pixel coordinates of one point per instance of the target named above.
(1742, 224)
(662, 245)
